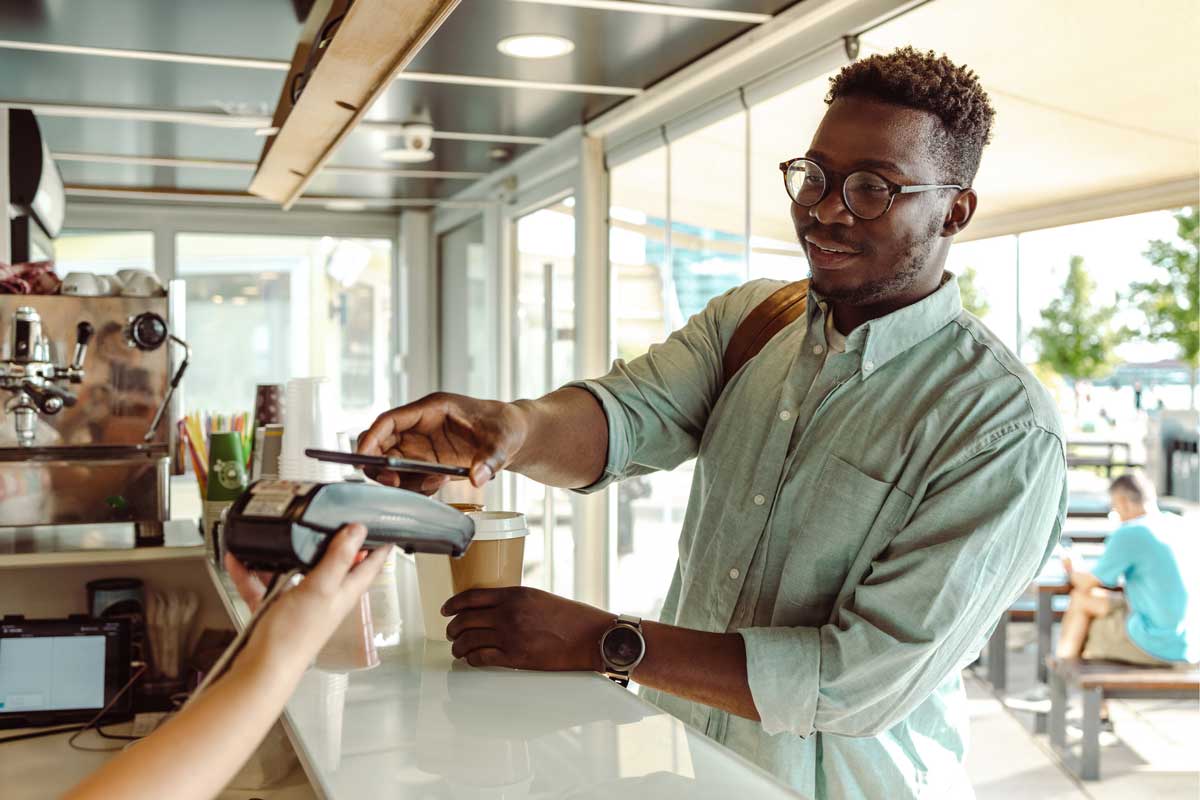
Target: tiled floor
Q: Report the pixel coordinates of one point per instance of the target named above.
(1153, 754)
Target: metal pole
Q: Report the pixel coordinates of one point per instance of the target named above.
(1020, 337)
(421, 313)
(6, 228)
(548, 521)
(590, 514)
(747, 221)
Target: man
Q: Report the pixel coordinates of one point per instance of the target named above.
(1157, 622)
(871, 491)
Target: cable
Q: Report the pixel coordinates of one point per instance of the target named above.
(41, 733)
(115, 736)
(275, 588)
(100, 715)
(78, 729)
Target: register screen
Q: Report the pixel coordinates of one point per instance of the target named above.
(52, 673)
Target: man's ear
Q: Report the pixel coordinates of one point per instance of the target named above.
(960, 213)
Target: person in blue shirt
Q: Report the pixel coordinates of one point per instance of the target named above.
(1157, 621)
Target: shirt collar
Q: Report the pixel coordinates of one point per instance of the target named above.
(882, 339)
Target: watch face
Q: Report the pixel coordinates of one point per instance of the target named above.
(623, 647)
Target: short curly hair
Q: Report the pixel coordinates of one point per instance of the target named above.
(927, 82)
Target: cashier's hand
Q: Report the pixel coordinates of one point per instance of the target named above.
(526, 629)
(298, 624)
(482, 435)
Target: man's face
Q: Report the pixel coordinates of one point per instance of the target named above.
(873, 261)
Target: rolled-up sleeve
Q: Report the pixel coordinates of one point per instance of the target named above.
(658, 403)
(979, 534)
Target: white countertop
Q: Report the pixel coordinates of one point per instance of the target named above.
(420, 725)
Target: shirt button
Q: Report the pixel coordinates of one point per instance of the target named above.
(868, 366)
(733, 574)
(818, 349)
(759, 499)
(785, 415)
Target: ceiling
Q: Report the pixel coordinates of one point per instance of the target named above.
(1089, 106)
(617, 54)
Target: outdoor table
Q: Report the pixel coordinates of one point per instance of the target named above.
(1086, 530)
(1090, 505)
(1051, 582)
(1099, 454)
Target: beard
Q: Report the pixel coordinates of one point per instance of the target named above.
(911, 261)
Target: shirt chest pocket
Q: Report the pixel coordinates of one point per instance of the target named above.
(849, 518)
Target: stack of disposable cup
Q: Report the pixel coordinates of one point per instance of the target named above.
(310, 421)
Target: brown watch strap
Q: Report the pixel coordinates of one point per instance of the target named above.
(783, 307)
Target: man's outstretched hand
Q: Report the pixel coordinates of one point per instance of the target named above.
(482, 435)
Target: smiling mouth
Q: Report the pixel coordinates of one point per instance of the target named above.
(834, 250)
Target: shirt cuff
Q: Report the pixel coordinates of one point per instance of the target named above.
(618, 437)
(784, 668)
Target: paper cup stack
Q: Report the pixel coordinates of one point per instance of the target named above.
(310, 421)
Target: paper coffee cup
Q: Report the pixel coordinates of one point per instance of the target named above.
(496, 554)
(436, 587)
(494, 559)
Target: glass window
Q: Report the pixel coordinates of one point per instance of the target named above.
(781, 128)
(649, 508)
(708, 216)
(103, 252)
(468, 313)
(263, 309)
(545, 359)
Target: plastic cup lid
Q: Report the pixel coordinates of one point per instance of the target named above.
(495, 525)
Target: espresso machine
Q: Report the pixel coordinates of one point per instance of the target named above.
(88, 409)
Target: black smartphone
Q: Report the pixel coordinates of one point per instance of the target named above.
(387, 462)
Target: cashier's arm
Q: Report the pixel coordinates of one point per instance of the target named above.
(198, 752)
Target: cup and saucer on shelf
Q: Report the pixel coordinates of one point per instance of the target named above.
(126, 283)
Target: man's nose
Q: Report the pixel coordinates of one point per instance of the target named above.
(832, 210)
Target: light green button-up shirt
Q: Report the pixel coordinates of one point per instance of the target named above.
(861, 518)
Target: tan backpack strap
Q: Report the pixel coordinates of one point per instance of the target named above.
(780, 309)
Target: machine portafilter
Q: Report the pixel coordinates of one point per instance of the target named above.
(37, 383)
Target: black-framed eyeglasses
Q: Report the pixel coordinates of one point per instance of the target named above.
(866, 194)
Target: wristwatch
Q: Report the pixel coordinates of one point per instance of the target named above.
(622, 648)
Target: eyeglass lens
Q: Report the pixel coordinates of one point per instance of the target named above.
(866, 194)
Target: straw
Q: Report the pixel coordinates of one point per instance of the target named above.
(197, 462)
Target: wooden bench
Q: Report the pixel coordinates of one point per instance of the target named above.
(1098, 680)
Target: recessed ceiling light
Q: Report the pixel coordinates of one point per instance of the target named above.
(407, 156)
(535, 45)
(268, 131)
(346, 204)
